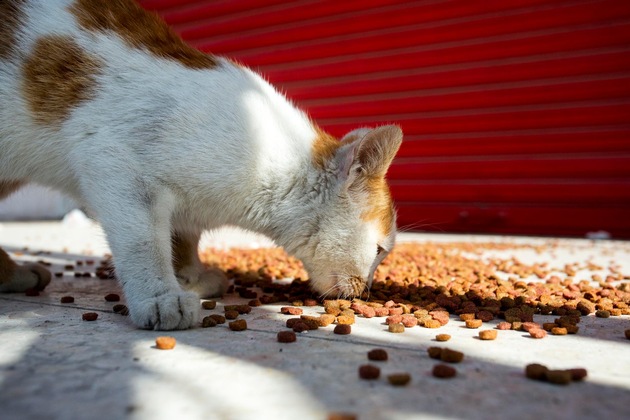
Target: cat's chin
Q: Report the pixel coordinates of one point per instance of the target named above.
(341, 288)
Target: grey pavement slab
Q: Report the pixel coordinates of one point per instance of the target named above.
(54, 365)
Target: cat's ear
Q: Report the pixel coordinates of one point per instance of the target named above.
(369, 151)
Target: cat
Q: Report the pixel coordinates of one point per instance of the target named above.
(102, 100)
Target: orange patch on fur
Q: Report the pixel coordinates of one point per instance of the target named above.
(58, 75)
(323, 148)
(381, 208)
(11, 14)
(140, 29)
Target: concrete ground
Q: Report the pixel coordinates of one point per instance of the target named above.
(53, 365)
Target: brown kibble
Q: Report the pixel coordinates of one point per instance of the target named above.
(299, 327)
(435, 352)
(290, 310)
(559, 377)
(466, 317)
(536, 371)
(537, 333)
(627, 333)
(286, 337)
(112, 297)
(377, 354)
(254, 303)
(90, 316)
(219, 318)
(485, 316)
(444, 371)
(559, 331)
(231, 314)
(312, 322)
(238, 325)
(399, 379)
(165, 343)
(66, 299)
(396, 328)
(369, 372)
(209, 304)
(473, 323)
(208, 322)
(488, 334)
(451, 356)
(602, 313)
(343, 329)
(342, 416)
(442, 337)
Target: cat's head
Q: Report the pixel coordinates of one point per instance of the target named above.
(356, 226)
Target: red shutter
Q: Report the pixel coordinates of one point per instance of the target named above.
(516, 113)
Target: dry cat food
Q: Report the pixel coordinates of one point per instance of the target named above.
(442, 337)
(112, 297)
(627, 333)
(399, 379)
(290, 310)
(559, 331)
(231, 314)
(369, 372)
(488, 334)
(377, 354)
(537, 333)
(66, 299)
(396, 328)
(451, 356)
(220, 319)
(165, 343)
(209, 304)
(238, 325)
(343, 329)
(559, 377)
(443, 371)
(286, 337)
(473, 323)
(89, 316)
(208, 322)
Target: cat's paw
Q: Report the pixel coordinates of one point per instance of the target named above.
(209, 283)
(176, 310)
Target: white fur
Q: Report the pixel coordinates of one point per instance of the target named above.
(164, 148)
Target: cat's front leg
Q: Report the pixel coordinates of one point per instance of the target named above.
(191, 273)
(136, 220)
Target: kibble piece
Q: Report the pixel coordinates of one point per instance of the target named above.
(380, 312)
(286, 337)
(602, 313)
(537, 333)
(485, 316)
(300, 327)
(342, 416)
(451, 356)
(442, 337)
(290, 310)
(231, 314)
(435, 352)
(219, 318)
(627, 333)
(112, 297)
(292, 321)
(432, 323)
(66, 299)
(325, 320)
(466, 317)
(504, 326)
(377, 354)
(238, 325)
(559, 331)
(578, 374)
(558, 377)
(409, 321)
(369, 372)
(396, 328)
(345, 320)
(536, 371)
(89, 316)
(165, 343)
(473, 323)
(209, 304)
(343, 329)
(526, 326)
(393, 319)
(444, 371)
(208, 322)
(399, 379)
(488, 334)
(254, 302)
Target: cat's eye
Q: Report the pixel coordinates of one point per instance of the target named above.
(379, 250)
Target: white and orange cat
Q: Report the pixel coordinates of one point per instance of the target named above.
(101, 100)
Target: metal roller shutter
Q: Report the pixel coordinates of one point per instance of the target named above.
(516, 113)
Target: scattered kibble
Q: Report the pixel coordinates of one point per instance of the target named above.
(399, 379)
(540, 372)
(396, 328)
(220, 319)
(443, 371)
(343, 329)
(290, 310)
(209, 304)
(451, 356)
(208, 322)
(488, 334)
(537, 333)
(165, 343)
(238, 325)
(112, 297)
(67, 299)
(473, 323)
(231, 314)
(369, 372)
(89, 316)
(377, 354)
(442, 337)
(286, 337)
(559, 331)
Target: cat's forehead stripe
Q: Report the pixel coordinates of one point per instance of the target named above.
(58, 76)
(380, 207)
(323, 148)
(139, 29)
(11, 15)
